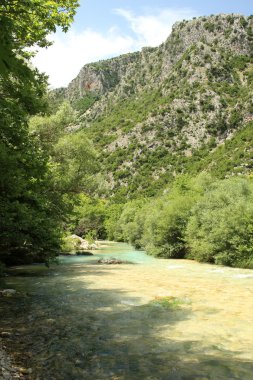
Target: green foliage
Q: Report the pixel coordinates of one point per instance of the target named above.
(209, 26)
(38, 19)
(168, 302)
(91, 236)
(164, 229)
(88, 217)
(235, 156)
(158, 225)
(31, 209)
(70, 244)
(243, 22)
(72, 156)
(127, 228)
(220, 228)
(202, 219)
(73, 162)
(111, 222)
(48, 129)
(231, 19)
(83, 104)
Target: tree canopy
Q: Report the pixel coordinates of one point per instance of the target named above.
(29, 204)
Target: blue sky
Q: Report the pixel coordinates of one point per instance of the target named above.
(107, 28)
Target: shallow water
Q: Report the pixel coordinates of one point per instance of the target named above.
(84, 320)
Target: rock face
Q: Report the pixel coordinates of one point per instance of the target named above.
(153, 65)
(99, 77)
(159, 109)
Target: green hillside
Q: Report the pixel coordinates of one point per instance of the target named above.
(169, 107)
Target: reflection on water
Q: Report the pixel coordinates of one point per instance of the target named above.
(84, 320)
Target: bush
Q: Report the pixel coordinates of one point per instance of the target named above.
(70, 244)
(220, 229)
(163, 235)
(165, 224)
(88, 217)
(127, 224)
(111, 222)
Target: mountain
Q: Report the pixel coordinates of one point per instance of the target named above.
(185, 106)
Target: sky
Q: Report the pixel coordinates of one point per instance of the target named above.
(107, 28)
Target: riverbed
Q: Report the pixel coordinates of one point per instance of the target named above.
(147, 319)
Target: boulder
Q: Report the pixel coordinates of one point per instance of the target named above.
(83, 244)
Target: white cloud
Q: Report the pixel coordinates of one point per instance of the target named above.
(152, 30)
(63, 60)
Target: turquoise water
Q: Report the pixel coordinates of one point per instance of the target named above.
(153, 319)
(120, 251)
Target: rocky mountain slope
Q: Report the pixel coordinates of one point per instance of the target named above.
(171, 109)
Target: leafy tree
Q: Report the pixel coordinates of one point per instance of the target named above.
(49, 128)
(74, 161)
(165, 222)
(72, 156)
(30, 208)
(220, 229)
(26, 23)
(112, 221)
(168, 226)
(127, 226)
(88, 217)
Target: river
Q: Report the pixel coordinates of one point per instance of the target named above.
(152, 319)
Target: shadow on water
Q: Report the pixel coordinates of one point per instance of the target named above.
(64, 329)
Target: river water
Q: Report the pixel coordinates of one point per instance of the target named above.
(151, 319)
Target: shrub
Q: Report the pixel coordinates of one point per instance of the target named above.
(168, 226)
(70, 244)
(220, 229)
(165, 225)
(209, 26)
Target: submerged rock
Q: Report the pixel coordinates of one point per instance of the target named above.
(112, 261)
(7, 292)
(7, 369)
